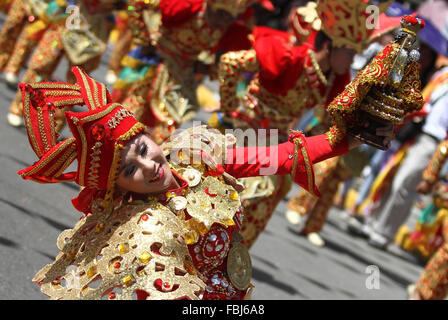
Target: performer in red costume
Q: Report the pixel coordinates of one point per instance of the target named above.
(157, 224)
(289, 80)
(160, 81)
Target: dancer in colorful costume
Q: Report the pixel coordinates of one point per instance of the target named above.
(43, 14)
(290, 80)
(395, 186)
(431, 237)
(81, 37)
(159, 82)
(339, 170)
(17, 17)
(160, 222)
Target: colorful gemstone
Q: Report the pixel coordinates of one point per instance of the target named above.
(99, 227)
(189, 267)
(97, 131)
(128, 280)
(145, 257)
(123, 248)
(91, 272)
(234, 195)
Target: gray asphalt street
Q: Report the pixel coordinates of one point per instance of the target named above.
(285, 265)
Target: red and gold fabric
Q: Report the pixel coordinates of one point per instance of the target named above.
(433, 283)
(5, 5)
(11, 28)
(348, 23)
(288, 82)
(432, 170)
(98, 135)
(304, 23)
(182, 244)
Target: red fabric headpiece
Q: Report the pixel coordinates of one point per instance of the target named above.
(175, 12)
(281, 63)
(99, 134)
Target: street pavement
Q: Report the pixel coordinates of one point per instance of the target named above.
(285, 265)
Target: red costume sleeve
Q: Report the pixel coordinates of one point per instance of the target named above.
(236, 38)
(295, 157)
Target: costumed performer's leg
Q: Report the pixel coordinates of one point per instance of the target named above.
(258, 211)
(318, 215)
(121, 48)
(23, 48)
(11, 29)
(433, 283)
(397, 207)
(44, 62)
(304, 202)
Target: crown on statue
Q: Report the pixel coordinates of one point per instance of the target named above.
(349, 22)
(412, 25)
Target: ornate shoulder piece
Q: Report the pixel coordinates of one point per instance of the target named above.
(136, 253)
(212, 197)
(202, 143)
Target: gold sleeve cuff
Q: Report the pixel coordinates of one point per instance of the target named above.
(334, 135)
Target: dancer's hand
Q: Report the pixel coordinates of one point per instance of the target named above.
(424, 187)
(387, 132)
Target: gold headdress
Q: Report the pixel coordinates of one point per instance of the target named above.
(349, 23)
